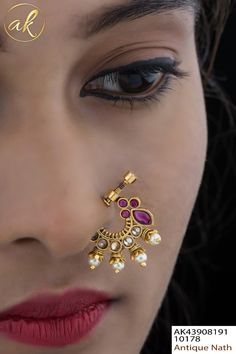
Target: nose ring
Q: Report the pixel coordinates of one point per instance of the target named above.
(138, 222)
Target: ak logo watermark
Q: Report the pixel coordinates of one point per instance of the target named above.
(24, 22)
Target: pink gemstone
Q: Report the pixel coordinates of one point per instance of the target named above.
(125, 213)
(134, 203)
(122, 203)
(142, 217)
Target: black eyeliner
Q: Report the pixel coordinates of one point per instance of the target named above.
(163, 62)
(165, 65)
(110, 97)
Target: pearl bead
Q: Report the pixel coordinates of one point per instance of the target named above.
(118, 266)
(155, 239)
(94, 262)
(142, 257)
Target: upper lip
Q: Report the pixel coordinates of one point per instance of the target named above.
(48, 305)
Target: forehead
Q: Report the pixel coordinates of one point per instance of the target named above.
(89, 17)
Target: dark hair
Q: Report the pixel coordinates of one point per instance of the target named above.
(184, 299)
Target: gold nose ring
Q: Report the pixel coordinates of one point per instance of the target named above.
(137, 226)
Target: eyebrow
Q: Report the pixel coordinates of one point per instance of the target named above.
(110, 15)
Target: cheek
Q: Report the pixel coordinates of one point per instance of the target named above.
(170, 160)
(166, 147)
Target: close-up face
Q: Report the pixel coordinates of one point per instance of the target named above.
(73, 121)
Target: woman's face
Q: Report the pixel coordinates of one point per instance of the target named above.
(60, 152)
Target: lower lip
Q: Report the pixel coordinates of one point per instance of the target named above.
(54, 332)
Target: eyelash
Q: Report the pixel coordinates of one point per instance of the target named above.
(166, 66)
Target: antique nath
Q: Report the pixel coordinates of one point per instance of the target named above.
(137, 225)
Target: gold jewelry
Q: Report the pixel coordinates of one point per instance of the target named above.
(137, 222)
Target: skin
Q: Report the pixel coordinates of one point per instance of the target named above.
(59, 153)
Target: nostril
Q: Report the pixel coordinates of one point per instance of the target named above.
(24, 240)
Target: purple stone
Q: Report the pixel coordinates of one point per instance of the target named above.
(134, 203)
(125, 213)
(142, 217)
(122, 203)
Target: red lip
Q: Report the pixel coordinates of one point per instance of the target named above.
(55, 320)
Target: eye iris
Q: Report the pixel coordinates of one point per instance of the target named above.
(132, 82)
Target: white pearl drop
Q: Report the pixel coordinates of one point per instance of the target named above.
(155, 239)
(118, 265)
(141, 258)
(94, 262)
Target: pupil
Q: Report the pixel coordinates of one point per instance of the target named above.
(134, 83)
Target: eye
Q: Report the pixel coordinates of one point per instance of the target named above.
(135, 81)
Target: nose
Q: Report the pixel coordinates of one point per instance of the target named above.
(49, 188)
